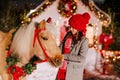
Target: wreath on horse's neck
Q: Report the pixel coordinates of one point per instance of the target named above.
(17, 71)
(66, 8)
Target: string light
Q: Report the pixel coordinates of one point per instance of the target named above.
(102, 16)
(111, 54)
(42, 8)
(95, 36)
(37, 12)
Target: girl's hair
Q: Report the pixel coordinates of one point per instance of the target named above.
(80, 34)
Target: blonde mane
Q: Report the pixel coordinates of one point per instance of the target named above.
(23, 39)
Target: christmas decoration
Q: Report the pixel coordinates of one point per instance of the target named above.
(66, 8)
(11, 60)
(37, 12)
(114, 29)
(101, 15)
(17, 71)
(106, 40)
(111, 62)
(113, 58)
(113, 32)
(116, 65)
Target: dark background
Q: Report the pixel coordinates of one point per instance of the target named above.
(19, 4)
(114, 4)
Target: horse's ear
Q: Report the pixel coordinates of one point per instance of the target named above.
(12, 31)
(42, 24)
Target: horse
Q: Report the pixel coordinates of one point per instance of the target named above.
(5, 40)
(35, 39)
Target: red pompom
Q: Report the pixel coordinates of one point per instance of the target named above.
(87, 16)
(79, 21)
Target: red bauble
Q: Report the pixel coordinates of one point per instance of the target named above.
(106, 40)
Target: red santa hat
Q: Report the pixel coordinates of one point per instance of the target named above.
(79, 21)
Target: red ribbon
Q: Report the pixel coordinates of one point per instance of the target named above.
(8, 53)
(36, 36)
(16, 72)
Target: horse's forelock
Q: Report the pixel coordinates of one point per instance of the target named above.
(51, 27)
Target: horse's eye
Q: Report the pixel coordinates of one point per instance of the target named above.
(44, 38)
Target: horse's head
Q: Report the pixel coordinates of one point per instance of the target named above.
(46, 46)
(5, 39)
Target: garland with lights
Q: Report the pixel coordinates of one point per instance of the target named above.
(116, 66)
(101, 15)
(111, 58)
(66, 8)
(37, 12)
(115, 61)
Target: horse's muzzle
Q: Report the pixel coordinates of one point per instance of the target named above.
(56, 61)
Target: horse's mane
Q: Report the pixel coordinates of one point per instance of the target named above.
(23, 40)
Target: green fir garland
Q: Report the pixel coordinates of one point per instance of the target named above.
(27, 69)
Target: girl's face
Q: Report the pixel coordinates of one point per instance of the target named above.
(74, 31)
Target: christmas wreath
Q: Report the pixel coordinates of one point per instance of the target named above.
(17, 71)
(66, 8)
